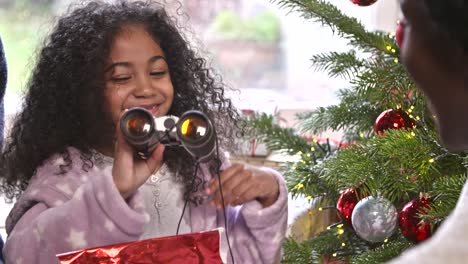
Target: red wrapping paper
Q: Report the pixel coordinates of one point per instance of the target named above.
(195, 248)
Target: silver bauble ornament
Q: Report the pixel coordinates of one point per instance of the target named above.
(374, 219)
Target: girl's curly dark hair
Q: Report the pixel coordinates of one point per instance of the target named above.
(63, 106)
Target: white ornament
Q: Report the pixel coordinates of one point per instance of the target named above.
(374, 219)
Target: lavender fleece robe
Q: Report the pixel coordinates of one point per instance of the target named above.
(63, 213)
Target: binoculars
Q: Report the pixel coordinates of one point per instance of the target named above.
(193, 131)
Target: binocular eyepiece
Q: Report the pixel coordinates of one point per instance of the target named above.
(193, 131)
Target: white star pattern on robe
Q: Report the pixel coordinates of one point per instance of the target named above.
(79, 194)
(146, 217)
(40, 231)
(109, 226)
(254, 251)
(278, 237)
(76, 239)
(100, 196)
(37, 234)
(64, 187)
(139, 205)
(19, 261)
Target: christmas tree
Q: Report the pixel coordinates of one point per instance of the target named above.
(391, 182)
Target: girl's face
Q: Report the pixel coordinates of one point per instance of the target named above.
(137, 74)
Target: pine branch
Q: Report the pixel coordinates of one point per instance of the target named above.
(347, 27)
(445, 196)
(312, 251)
(375, 79)
(384, 75)
(355, 116)
(304, 173)
(337, 64)
(464, 157)
(352, 167)
(383, 253)
(385, 169)
(414, 169)
(305, 178)
(355, 112)
(296, 252)
(337, 242)
(275, 137)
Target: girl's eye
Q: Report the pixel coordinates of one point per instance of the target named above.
(120, 79)
(158, 73)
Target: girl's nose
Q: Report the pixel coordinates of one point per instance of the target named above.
(144, 88)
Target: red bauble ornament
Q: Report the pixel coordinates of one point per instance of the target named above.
(346, 202)
(363, 2)
(393, 119)
(409, 220)
(400, 33)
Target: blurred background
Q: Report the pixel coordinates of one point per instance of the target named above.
(259, 48)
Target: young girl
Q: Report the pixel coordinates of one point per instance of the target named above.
(76, 178)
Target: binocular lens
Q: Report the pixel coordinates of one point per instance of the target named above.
(138, 124)
(197, 135)
(194, 128)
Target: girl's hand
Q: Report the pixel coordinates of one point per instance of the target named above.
(129, 174)
(243, 183)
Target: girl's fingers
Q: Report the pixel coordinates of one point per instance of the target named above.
(155, 161)
(123, 152)
(247, 186)
(129, 174)
(232, 197)
(123, 157)
(235, 188)
(225, 176)
(248, 195)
